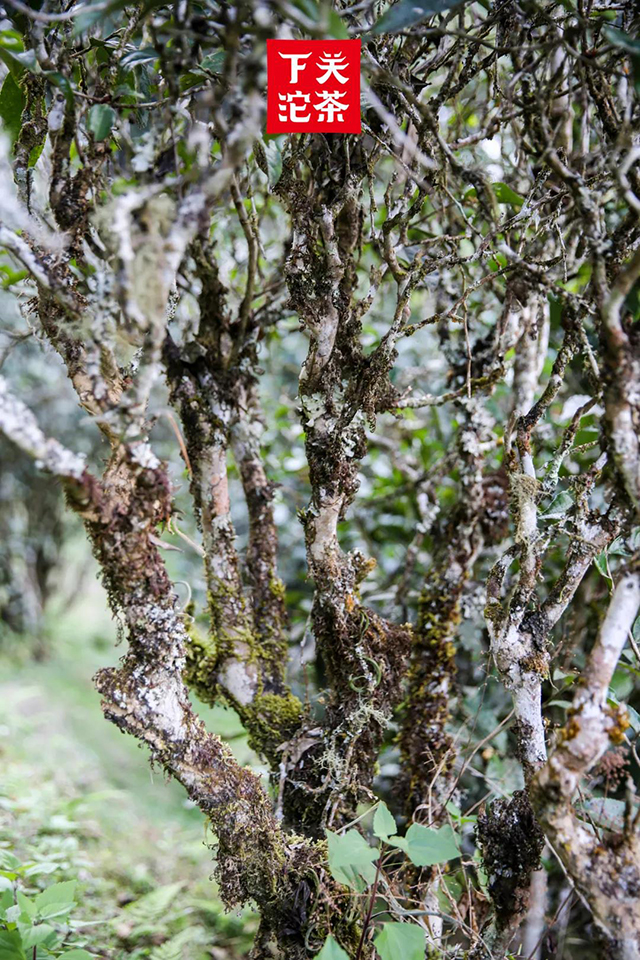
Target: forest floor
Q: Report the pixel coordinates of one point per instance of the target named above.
(80, 801)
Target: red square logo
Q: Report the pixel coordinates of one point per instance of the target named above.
(313, 86)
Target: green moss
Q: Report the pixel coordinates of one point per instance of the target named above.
(537, 663)
(222, 601)
(493, 610)
(431, 676)
(272, 719)
(277, 588)
(200, 667)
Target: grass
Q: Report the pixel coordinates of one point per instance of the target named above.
(78, 800)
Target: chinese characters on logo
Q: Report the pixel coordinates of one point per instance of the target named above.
(313, 86)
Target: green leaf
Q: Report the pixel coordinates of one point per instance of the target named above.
(384, 826)
(188, 80)
(17, 59)
(11, 945)
(174, 948)
(12, 103)
(406, 13)
(580, 280)
(426, 846)
(400, 941)
(602, 565)
(634, 717)
(632, 301)
(337, 26)
(58, 894)
(55, 910)
(153, 905)
(350, 859)
(137, 57)
(310, 8)
(457, 814)
(27, 905)
(101, 120)
(497, 261)
(94, 14)
(605, 811)
(9, 862)
(76, 955)
(12, 913)
(504, 194)
(558, 506)
(332, 950)
(618, 548)
(273, 152)
(35, 154)
(620, 39)
(555, 311)
(213, 62)
(40, 934)
(399, 842)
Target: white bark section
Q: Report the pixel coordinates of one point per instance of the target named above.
(535, 924)
(328, 503)
(434, 920)
(326, 528)
(214, 489)
(512, 650)
(512, 647)
(519, 656)
(607, 874)
(531, 351)
(622, 395)
(518, 636)
(239, 678)
(591, 699)
(557, 603)
(19, 425)
(527, 702)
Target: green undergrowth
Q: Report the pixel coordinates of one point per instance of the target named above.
(78, 801)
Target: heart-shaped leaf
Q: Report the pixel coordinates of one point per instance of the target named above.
(351, 859)
(332, 950)
(400, 941)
